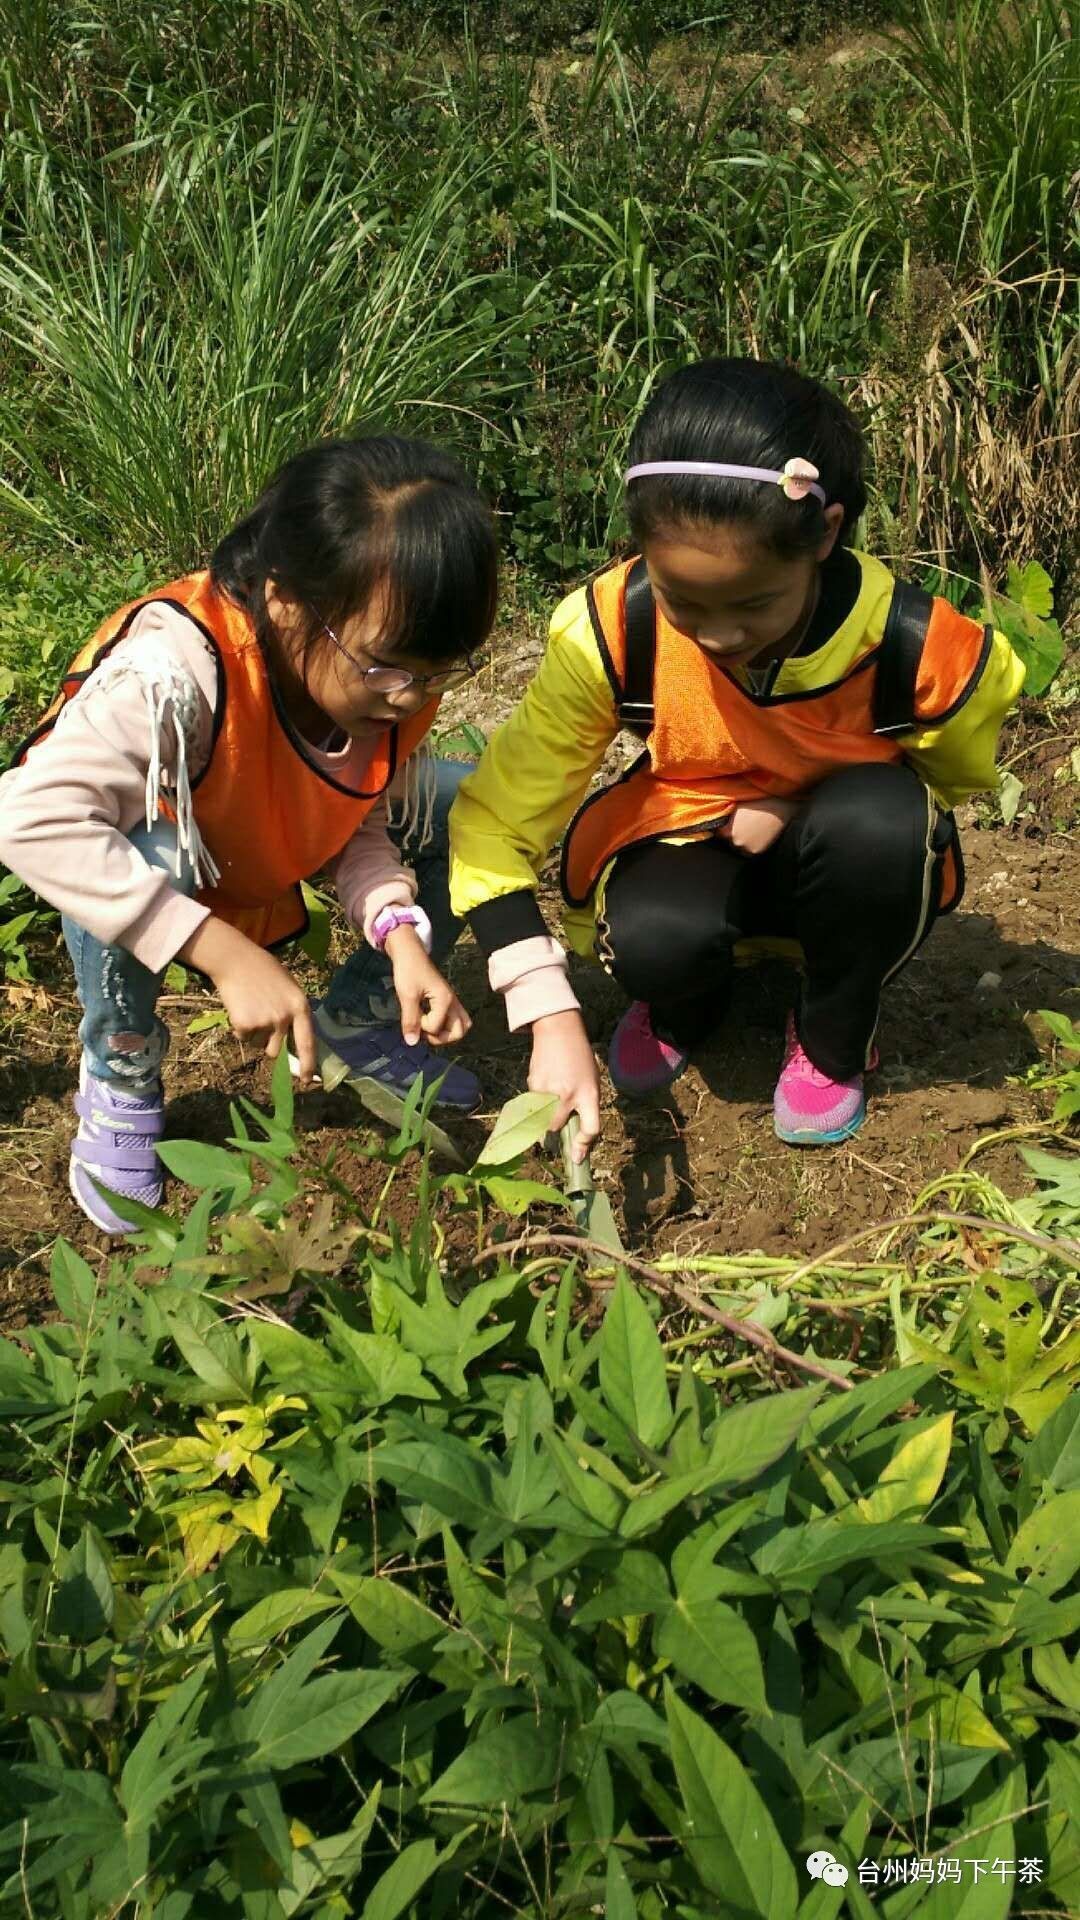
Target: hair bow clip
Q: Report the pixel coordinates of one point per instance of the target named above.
(798, 478)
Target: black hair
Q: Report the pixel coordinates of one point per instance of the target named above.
(752, 414)
(350, 517)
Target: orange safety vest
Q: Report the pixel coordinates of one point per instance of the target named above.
(711, 745)
(267, 814)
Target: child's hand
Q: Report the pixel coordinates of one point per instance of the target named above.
(428, 1003)
(261, 999)
(754, 826)
(562, 1063)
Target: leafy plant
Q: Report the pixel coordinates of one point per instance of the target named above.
(47, 612)
(20, 913)
(1023, 613)
(341, 1575)
(994, 1351)
(462, 739)
(1066, 1077)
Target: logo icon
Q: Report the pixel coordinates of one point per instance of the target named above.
(825, 1866)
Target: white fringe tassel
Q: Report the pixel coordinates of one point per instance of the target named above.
(163, 687)
(417, 802)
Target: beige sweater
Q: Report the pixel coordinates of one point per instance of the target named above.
(142, 722)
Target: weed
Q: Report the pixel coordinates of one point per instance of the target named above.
(1064, 1077)
(463, 740)
(47, 612)
(354, 1571)
(20, 913)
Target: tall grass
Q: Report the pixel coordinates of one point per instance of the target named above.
(1001, 89)
(251, 295)
(329, 225)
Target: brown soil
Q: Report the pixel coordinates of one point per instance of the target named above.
(698, 1171)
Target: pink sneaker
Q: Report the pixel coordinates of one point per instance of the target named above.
(809, 1109)
(638, 1060)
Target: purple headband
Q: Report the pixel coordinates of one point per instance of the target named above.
(797, 479)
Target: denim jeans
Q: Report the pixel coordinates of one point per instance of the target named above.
(123, 1039)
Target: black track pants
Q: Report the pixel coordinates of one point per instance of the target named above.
(855, 878)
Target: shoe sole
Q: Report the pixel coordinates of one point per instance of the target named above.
(810, 1137)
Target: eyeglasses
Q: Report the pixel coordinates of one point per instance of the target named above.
(383, 679)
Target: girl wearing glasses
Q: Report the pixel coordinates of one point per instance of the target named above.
(232, 734)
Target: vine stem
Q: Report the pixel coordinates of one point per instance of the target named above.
(1060, 1249)
(757, 1336)
(662, 1283)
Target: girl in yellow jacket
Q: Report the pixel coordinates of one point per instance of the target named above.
(807, 725)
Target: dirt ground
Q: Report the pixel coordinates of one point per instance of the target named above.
(697, 1171)
(700, 1169)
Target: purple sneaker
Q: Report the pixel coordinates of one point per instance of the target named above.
(117, 1144)
(378, 1052)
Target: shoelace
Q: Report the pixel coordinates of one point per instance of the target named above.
(797, 1058)
(640, 1020)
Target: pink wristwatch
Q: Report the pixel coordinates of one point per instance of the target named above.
(390, 917)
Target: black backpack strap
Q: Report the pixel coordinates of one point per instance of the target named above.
(899, 658)
(895, 678)
(636, 710)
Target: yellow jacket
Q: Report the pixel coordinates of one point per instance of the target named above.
(537, 768)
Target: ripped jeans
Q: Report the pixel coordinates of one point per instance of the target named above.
(123, 1039)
